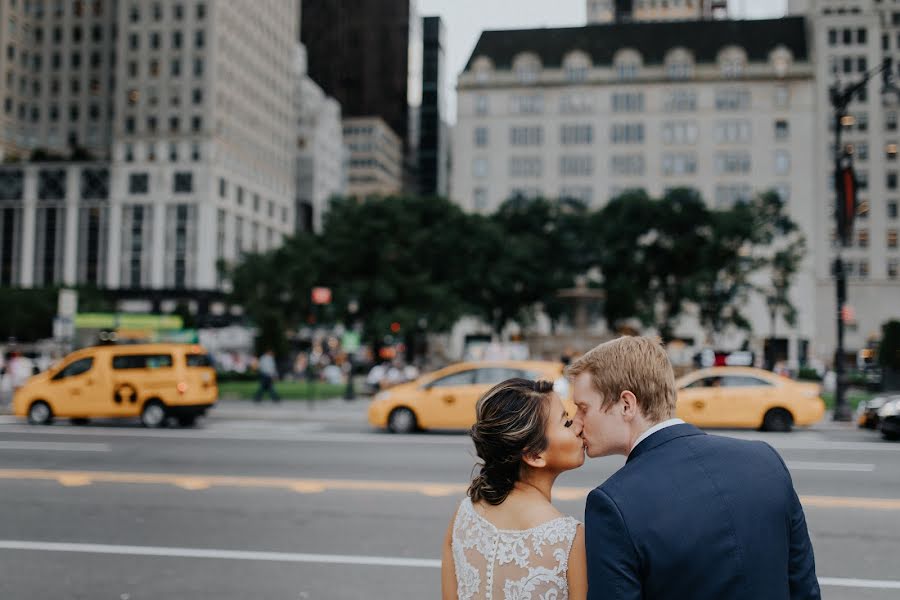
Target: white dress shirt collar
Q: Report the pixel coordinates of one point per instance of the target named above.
(654, 429)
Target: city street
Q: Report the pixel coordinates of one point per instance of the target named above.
(291, 502)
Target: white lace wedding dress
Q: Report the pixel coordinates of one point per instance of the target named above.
(527, 564)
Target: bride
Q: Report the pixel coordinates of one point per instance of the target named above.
(507, 540)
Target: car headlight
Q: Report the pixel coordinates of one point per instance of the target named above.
(890, 409)
(382, 396)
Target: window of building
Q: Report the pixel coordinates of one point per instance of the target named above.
(733, 131)
(196, 124)
(197, 96)
(731, 194)
(201, 11)
(728, 163)
(583, 194)
(479, 199)
(732, 99)
(890, 121)
(481, 136)
(154, 40)
(198, 67)
(223, 187)
(577, 134)
(679, 132)
(576, 165)
(575, 103)
(480, 167)
(680, 101)
(627, 133)
(184, 183)
(892, 238)
(626, 164)
(680, 163)
(782, 162)
(862, 238)
(176, 67)
(863, 269)
(481, 105)
(832, 37)
(628, 102)
(893, 266)
(892, 209)
(526, 136)
(177, 39)
(862, 209)
(525, 166)
(199, 38)
(530, 104)
(173, 152)
(178, 12)
(891, 180)
(782, 131)
(138, 183)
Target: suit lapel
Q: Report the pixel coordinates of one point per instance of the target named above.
(661, 437)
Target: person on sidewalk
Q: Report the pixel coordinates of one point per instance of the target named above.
(267, 376)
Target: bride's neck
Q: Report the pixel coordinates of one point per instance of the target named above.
(536, 484)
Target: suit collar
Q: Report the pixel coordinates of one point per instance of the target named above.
(661, 437)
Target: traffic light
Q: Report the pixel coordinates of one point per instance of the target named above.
(845, 211)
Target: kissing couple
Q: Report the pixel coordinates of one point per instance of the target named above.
(690, 516)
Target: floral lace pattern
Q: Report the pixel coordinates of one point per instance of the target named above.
(530, 564)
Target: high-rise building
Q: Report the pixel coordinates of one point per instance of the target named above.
(375, 165)
(368, 55)
(57, 64)
(433, 132)
(851, 37)
(321, 155)
(201, 152)
(724, 107)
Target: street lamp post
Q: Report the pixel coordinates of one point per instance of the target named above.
(845, 211)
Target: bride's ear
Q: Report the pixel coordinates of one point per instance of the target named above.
(536, 461)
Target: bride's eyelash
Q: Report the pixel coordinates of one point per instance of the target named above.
(568, 423)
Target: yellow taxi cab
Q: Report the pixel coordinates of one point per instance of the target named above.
(747, 397)
(445, 399)
(149, 381)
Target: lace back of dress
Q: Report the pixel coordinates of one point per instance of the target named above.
(495, 563)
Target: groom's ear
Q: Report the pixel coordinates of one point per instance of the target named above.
(629, 405)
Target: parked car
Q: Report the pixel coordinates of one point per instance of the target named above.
(445, 399)
(889, 416)
(867, 411)
(747, 397)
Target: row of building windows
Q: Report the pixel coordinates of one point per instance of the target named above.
(736, 131)
(257, 200)
(174, 154)
(35, 62)
(175, 68)
(726, 163)
(727, 99)
(52, 184)
(154, 40)
(157, 14)
(153, 124)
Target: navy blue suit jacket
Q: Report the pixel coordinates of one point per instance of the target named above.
(698, 517)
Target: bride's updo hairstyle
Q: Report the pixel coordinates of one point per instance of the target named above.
(511, 420)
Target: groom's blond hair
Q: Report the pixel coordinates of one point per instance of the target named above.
(636, 364)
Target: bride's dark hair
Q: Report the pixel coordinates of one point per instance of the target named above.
(511, 420)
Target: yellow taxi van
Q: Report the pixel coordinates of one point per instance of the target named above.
(151, 381)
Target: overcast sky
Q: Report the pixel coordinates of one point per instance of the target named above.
(464, 21)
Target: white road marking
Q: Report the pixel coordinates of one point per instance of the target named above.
(795, 465)
(54, 446)
(330, 559)
(860, 583)
(327, 559)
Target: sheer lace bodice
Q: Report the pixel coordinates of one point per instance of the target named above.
(528, 564)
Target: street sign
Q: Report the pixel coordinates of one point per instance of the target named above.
(350, 342)
(321, 295)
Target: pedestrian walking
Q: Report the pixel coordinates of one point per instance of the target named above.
(267, 376)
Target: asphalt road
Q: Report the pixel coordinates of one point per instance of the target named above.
(310, 504)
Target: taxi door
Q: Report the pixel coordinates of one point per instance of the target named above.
(73, 390)
(699, 402)
(448, 401)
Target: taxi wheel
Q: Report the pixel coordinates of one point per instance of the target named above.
(402, 420)
(153, 414)
(778, 419)
(39, 413)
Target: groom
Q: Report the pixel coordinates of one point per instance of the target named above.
(690, 516)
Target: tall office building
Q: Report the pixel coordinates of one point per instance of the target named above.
(725, 107)
(368, 55)
(57, 64)
(851, 37)
(201, 150)
(433, 132)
